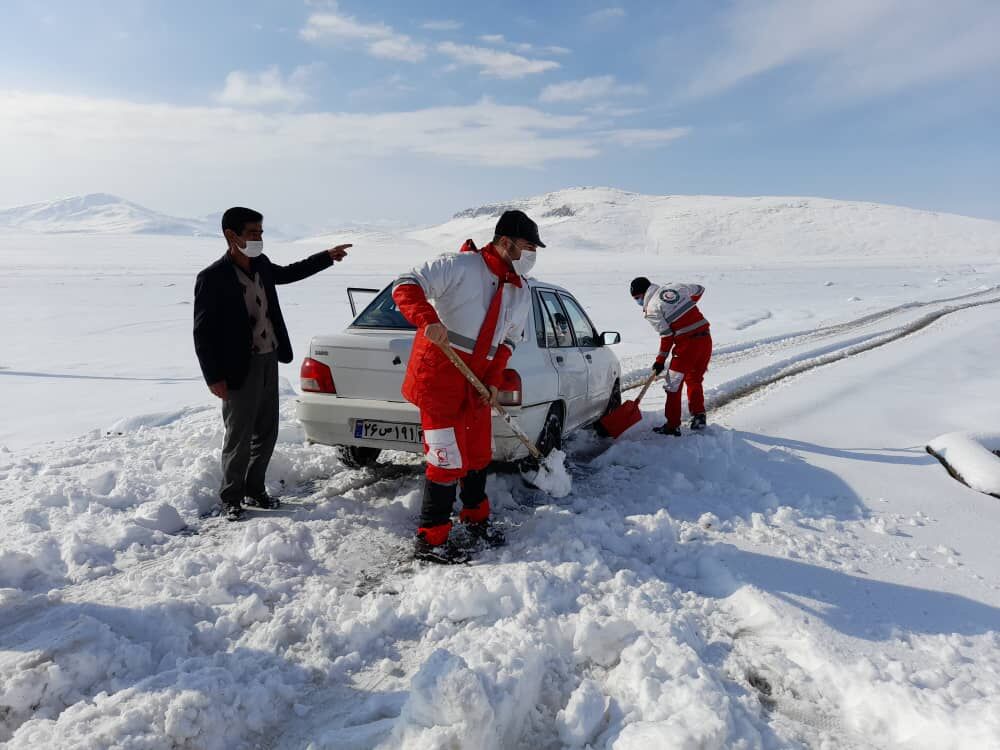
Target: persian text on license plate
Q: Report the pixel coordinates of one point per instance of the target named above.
(396, 432)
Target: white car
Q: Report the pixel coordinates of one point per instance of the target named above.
(562, 377)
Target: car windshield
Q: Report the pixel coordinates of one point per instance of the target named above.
(382, 313)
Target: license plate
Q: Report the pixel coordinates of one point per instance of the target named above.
(396, 432)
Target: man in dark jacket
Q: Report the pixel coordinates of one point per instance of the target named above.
(240, 336)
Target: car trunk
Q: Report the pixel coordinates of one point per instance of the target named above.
(365, 363)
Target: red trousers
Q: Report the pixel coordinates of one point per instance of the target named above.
(457, 438)
(687, 367)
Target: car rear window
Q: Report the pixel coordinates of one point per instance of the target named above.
(382, 313)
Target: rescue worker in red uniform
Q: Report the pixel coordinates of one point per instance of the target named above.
(476, 302)
(672, 310)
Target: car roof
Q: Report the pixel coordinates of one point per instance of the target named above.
(534, 283)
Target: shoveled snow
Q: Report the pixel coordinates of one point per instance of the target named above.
(802, 574)
(552, 477)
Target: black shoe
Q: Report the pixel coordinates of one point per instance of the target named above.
(263, 500)
(233, 512)
(665, 429)
(486, 533)
(444, 554)
(698, 421)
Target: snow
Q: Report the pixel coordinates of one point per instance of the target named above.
(801, 574)
(98, 213)
(552, 477)
(972, 456)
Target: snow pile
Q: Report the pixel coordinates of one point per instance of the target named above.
(972, 457)
(552, 476)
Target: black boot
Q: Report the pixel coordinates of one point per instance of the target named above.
(666, 429)
(699, 421)
(486, 534)
(473, 488)
(263, 500)
(233, 512)
(442, 554)
(475, 515)
(433, 543)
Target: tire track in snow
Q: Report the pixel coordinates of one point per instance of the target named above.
(746, 385)
(759, 380)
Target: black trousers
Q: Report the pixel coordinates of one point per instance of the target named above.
(251, 417)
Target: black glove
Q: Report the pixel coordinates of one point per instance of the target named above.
(658, 366)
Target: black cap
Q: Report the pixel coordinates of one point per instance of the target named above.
(639, 286)
(517, 226)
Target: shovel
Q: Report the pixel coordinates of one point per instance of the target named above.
(616, 421)
(550, 478)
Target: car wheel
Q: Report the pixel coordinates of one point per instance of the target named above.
(550, 438)
(358, 457)
(613, 403)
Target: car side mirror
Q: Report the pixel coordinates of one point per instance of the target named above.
(610, 337)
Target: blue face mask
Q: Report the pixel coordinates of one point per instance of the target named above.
(638, 301)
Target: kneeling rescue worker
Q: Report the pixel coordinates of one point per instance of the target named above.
(476, 302)
(672, 310)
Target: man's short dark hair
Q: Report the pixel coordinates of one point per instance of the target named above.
(639, 286)
(237, 218)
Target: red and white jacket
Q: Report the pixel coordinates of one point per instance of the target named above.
(456, 289)
(672, 310)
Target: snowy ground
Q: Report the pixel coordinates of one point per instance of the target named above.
(803, 575)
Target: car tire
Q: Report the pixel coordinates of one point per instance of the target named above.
(358, 457)
(613, 403)
(550, 438)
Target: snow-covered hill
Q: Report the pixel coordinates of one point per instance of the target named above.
(606, 219)
(99, 213)
(595, 219)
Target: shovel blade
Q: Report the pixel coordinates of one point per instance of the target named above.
(620, 419)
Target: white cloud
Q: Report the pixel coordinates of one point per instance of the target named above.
(599, 87)
(40, 127)
(495, 63)
(443, 25)
(852, 49)
(631, 137)
(604, 16)
(243, 89)
(523, 47)
(306, 164)
(398, 48)
(382, 41)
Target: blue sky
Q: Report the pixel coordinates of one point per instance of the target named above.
(324, 112)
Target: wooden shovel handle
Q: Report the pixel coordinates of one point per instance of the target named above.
(645, 386)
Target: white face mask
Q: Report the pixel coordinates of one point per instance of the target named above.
(524, 264)
(253, 248)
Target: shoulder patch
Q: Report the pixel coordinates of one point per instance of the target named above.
(670, 296)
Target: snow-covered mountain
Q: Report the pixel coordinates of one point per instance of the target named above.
(607, 219)
(99, 213)
(601, 219)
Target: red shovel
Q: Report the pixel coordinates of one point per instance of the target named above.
(616, 421)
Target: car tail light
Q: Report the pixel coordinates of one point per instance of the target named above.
(315, 377)
(509, 391)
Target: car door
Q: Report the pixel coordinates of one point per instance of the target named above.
(566, 357)
(600, 374)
